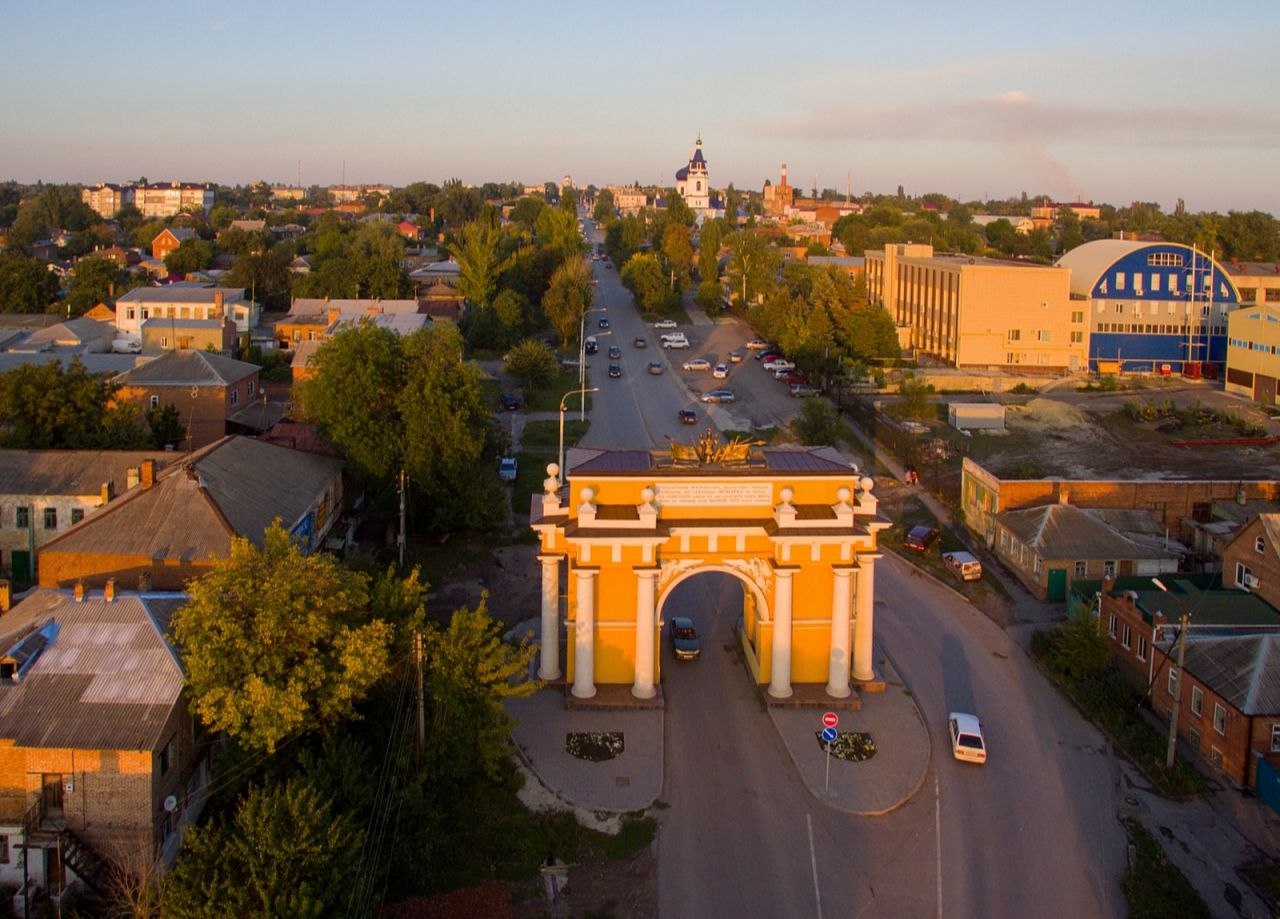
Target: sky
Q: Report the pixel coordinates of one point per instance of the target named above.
(1107, 102)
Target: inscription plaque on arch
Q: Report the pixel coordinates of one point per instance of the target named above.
(727, 494)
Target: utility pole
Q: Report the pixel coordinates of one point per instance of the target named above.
(1177, 694)
(422, 722)
(400, 538)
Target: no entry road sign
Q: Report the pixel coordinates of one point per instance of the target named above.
(830, 720)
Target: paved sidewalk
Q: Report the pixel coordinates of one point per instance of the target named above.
(633, 780)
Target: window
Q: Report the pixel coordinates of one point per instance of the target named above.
(1272, 294)
(22, 518)
(4, 850)
(1249, 294)
(77, 514)
(1142, 648)
(1220, 719)
(1109, 569)
(1037, 566)
(167, 754)
(235, 396)
(1119, 280)
(1077, 316)
(1082, 568)
(251, 387)
(1260, 545)
(1045, 335)
(1126, 636)
(1173, 682)
(1111, 625)
(50, 518)
(1015, 334)
(164, 341)
(1275, 738)
(1077, 338)
(1242, 574)
(154, 402)
(1193, 738)
(1215, 756)
(1197, 701)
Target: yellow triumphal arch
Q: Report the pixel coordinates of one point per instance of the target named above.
(796, 525)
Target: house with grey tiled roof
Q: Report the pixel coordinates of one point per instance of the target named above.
(1050, 546)
(184, 302)
(46, 492)
(180, 520)
(99, 756)
(207, 389)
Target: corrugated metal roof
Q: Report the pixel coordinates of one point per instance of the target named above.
(174, 294)
(1243, 669)
(108, 681)
(71, 472)
(189, 368)
(1063, 531)
(1090, 261)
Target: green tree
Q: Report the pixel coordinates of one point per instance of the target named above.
(915, 394)
(525, 211)
(817, 424)
(49, 407)
(224, 868)
(1069, 233)
(165, 425)
(533, 364)
(677, 254)
(569, 201)
(557, 229)
(26, 286)
(644, 276)
(569, 298)
(95, 280)
(1083, 650)
(477, 250)
(753, 265)
(192, 255)
(459, 205)
(678, 212)
(623, 238)
(470, 671)
(265, 276)
(277, 642)
(605, 206)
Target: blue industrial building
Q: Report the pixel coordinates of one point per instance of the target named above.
(1152, 307)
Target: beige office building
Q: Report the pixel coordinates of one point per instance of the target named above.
(976, 312)
(1253, 352)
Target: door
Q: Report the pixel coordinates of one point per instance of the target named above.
(1268, 784)
(20, 565)
(53, 874)
(1057, 585)
(1264, 389)
(52, 794)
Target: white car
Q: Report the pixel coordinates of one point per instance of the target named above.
(698, 363)
(720, 371)
(675, 343)
(507, 470)
(967, 742)
(665, 324)
(773, 365)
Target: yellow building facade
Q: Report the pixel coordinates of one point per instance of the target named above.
(797, 527)
(1253, 352)
(978, 312)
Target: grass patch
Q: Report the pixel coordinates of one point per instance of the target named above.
(1153, 886)
(1107, 700)
(768, 435)
(548, 400)
(1264, 878)
(637, 833)
(540, 436)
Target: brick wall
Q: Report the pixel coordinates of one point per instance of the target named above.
(64, 569)
(1242, 555)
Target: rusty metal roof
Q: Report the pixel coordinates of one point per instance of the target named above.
(107, 681)
(71, 472)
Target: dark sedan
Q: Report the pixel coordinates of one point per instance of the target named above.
(688, 416)
(684, 639)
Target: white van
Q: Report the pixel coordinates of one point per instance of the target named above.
(963, 565)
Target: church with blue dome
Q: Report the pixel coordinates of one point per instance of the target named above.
(693, 182)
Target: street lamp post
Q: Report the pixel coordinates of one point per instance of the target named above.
(563, 404)
(582, 361)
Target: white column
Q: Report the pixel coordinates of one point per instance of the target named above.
(780, 671)
(863, 670)
(646, 582)
(549, 658)
(838, 665)
(584, 635)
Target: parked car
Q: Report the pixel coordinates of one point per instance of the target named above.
(963, 565)
(763, 356)
(774, 364)
(720, 371)
(687, 416)
(655, 367)
(698, 363)
(615, 370)
(757, 344)
(640, 341)
(510, 402)
(921, 538)
(803, 390)
(615, 353)
(507, 470)
(603, 322)
(684, 639)
(678, 343)
(791, 376)
(967, 742)
(719, 395)
(735, 357)
(665, 324)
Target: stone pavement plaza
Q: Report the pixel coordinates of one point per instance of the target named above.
(633, 780)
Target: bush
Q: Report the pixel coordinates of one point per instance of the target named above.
(1153, 886)
(817, 424)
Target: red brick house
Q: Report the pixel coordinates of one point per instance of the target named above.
(206, 388)
(1251, 559)
(168, 239)
(1230, 705)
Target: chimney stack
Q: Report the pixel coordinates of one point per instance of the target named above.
(108, 492)
(144, 582)
(6, 596)
(217, 300)
(334, 313)
(79, 591)
(148, 473)
(109, 591)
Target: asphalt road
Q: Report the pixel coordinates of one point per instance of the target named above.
(1033, 832)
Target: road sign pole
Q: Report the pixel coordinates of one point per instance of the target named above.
(827, 789)
(829, 722)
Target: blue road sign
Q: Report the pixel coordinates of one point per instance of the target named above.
(828, 735)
